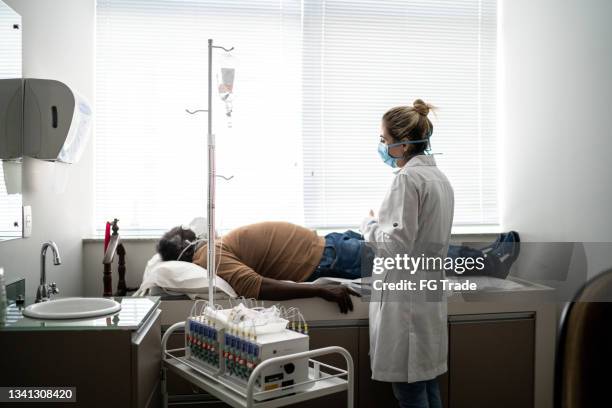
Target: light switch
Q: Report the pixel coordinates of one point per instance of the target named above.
(27, 221)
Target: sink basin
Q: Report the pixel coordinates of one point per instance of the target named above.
(72, 308)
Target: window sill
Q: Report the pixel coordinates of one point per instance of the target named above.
(143, 238)
(476, 229)
(458, 232)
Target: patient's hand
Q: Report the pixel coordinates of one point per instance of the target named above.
(339, 294)
(272, 289)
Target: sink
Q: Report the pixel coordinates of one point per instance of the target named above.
(72, 308)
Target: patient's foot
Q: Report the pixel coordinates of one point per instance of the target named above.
(494, 244)
(504, 254)
(509, 247)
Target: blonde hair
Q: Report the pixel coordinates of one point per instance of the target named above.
(410, 122)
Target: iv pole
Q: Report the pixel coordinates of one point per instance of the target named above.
(210, 213)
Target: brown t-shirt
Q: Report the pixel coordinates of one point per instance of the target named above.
(276, 250)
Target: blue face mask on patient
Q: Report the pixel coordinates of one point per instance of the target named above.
(383, 150)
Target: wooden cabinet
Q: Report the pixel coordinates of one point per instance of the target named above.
(491, 362)
(146, 364)
(108, 368)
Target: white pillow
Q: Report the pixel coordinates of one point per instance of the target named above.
(181, 277)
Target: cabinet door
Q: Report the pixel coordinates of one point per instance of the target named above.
(96, 362)
(146, 364)
(491, 363)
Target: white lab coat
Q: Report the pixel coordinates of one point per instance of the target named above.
(408, 338)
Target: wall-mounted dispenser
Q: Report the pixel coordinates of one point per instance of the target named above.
(11, 118)
(53, 124)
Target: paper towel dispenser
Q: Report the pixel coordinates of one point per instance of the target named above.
(11, 118)
(55, 120)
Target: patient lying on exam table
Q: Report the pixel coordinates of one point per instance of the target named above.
(266, 260)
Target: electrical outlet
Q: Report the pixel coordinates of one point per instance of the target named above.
(27, 221)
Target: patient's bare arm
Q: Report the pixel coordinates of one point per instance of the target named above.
(272, 289)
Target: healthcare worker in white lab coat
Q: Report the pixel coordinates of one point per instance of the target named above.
(408, 336)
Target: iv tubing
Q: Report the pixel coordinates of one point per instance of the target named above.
(210, 263)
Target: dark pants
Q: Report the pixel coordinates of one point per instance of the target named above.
(347, 256)
(420, 394)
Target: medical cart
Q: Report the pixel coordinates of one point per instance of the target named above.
(319, 383)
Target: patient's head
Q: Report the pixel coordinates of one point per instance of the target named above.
(173, 242)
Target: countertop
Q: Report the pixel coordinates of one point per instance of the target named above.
(134, 312)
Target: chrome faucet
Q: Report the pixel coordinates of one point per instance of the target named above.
(45, 291)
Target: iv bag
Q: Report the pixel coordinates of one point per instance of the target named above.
(225, 83)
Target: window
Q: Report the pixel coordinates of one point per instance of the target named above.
(10, 170)
(313, 80)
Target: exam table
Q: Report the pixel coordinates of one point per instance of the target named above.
(508, 326)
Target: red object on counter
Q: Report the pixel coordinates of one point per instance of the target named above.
(107, 235)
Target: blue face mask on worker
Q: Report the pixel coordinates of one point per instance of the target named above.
(383, 150)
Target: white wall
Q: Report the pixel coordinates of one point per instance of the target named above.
(555, 98)
(58, 43)
(555, 93)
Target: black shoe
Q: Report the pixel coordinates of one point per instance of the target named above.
(497, 268)
(509, 247)
(517, 245)
(495, 243)
(503, 256)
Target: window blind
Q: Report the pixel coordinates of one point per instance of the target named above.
(313, 80)
(151, 155)
(363, 57)
(10, 67)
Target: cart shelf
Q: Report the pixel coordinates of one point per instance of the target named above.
(320, 383)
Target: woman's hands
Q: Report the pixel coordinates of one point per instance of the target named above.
(340, 294)
(370, 219)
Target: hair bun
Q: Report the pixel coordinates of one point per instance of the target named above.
(421, 107)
